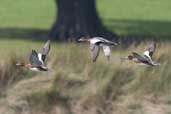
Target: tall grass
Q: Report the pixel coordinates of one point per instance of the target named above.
(77, 85)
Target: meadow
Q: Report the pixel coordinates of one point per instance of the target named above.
(75, 85)
(136, 20)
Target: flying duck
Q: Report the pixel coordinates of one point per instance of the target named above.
(146, 58)
(37, 60)
(96, 43)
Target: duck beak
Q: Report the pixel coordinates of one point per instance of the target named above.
(19, 64)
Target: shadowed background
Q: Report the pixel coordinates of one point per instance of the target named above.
(138, 19)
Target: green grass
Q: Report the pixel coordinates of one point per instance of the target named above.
(147, 18)
(146, 10)
(138, 18)
(74, 84)
(27, 14)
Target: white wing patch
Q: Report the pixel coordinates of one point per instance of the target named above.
(94, 40)
(147, 53)
(40, 58)
(106, 50)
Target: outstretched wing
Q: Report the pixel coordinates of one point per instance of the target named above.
(45, 50)
(34, 60)
(139, 57)
(102, 40)
(145, 59)
(95, 51)
(151, 48)
(105, 40)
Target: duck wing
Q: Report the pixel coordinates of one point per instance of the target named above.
(140, 57)
(144, 59)
(150, 61)
(151, 48)
(95, 51)
(105, 41)
(34, 60)
(45, 50)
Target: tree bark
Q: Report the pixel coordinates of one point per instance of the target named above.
(76, 18)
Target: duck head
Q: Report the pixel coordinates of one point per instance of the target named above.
(130, 57)
(28, 66)
(82, 39)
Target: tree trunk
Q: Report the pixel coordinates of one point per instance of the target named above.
(77, 18)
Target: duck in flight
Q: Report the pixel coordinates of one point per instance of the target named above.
(96, 43)
(37, 60)
(146, 58)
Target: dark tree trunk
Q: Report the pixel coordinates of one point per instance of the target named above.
(77, 18)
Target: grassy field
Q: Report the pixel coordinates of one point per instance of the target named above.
(138, 18)
(27, 14)
(147, 18)
(75, 85)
